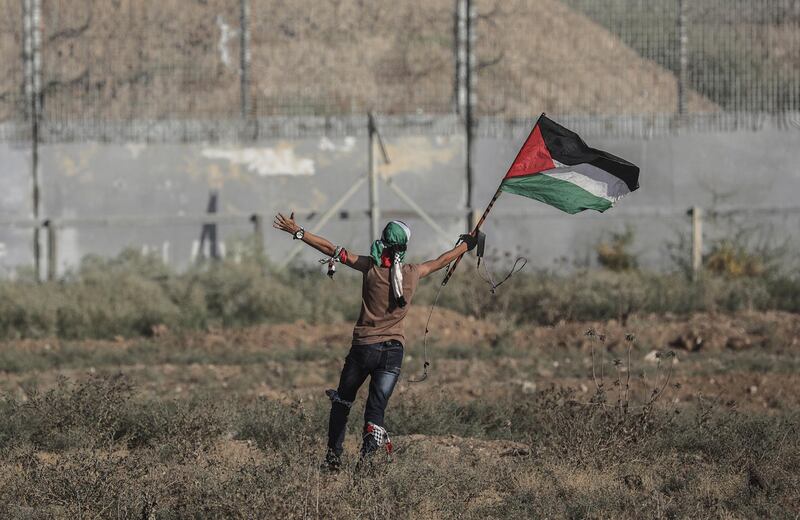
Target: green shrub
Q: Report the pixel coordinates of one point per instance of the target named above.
(134, 295)
(614, 254)
(546, 298)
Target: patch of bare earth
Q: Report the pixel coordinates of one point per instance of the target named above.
(300, 360)
(702, 331)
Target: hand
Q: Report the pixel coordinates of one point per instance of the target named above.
(285, 224)
(470, 240)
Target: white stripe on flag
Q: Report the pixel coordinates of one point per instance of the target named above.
(595, 180)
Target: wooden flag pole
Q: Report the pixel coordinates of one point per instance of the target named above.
(474, 233)
(488, 208)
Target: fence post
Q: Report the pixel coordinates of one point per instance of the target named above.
(374, 208)
(32, 65)
(683, 63)
(52, 250)
(466, 91)
(461, 53)
(244, 58)
(697, 240)
(258, 234)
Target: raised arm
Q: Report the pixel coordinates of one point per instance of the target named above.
(431, 266)
(324, 246)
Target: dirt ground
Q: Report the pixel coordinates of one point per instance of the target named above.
(748, 358)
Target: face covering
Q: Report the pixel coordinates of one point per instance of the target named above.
(390, 251)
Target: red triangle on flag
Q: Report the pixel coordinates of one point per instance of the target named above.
(532, 158)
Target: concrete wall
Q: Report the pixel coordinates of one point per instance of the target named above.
(308, 173)
(305, 175)
(16, 244)
(748, 170)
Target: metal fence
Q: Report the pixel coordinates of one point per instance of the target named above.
(95, 62)
(640, 56)
(457, 71)
(740, 55)
(12, 80)
(665, 239)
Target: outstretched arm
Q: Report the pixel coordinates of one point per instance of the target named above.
(431, 266)
(324, 246)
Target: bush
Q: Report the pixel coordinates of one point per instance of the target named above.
(731, 259)
(85, 414)
(134, 295)
(614, 254)
(546, 298)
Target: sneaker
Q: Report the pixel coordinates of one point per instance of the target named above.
(369, 445)
(375, 437)
(333, 462)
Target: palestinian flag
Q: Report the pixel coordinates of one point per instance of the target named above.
(556, 167)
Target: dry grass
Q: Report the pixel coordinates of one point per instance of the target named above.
(98, 449)
(231, 424)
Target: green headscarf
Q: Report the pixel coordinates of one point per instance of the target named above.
(396, 233)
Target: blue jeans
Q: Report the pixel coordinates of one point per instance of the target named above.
(382, 362)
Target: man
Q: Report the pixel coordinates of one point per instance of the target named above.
(388, 286)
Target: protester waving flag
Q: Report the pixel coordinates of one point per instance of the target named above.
(556, 167)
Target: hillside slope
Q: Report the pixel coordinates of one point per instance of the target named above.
(180, 59)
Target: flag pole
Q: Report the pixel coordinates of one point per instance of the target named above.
(453, 266)
(474, 233)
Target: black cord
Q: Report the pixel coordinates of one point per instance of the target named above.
(426, 364)
(488, 278)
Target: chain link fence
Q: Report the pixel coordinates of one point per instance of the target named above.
(129, 60)
(125, 62)
(740, 55)
(349, 57)
(12, 98)
(638, 57)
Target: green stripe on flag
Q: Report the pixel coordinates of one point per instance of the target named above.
(556, 192)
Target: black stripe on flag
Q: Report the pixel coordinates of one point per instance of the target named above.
(567, 147)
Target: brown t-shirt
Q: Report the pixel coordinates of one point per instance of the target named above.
(381, 319)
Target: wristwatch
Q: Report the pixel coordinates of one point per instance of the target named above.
(298, 235)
